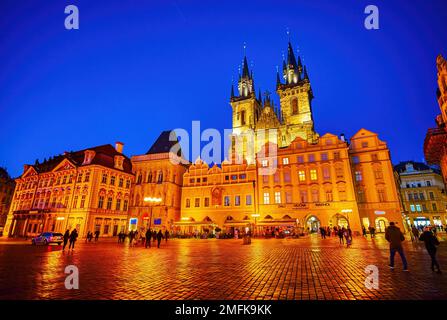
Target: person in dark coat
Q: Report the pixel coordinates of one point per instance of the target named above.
(415, 232)
(66, 237)
(340, 233)
(159, 237)
(166, 235)
(430, 244)
(364, 231)
(372, 232)
(395, 237)
(148, 237)
(96, 235)
(73, 237)
(154, 235)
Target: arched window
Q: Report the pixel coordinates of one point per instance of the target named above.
(294, 104)
(243, 117)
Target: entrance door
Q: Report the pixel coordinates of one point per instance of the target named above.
(115, 230)
(313, 224)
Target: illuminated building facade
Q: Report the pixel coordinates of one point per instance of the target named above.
(88, 190)
(157, 191)
(7, 186)
(435, 144)
(423, 194)
(317, 180)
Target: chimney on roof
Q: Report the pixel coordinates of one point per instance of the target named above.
(119, 146)
(342, 137)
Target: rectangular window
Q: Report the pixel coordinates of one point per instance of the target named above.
(381, 193)
(237, 200)
(188, 203)
(64, 180)
(288, 197)
(118, 204)
(125, 205)
(355, 159)
(313, 174)
(264, 163)
(248, 199)
(276, 177)
(432, 197)
(336, 155)
(300, 159)
(204, 179)
(428, 183)
(365, 144)
(324, 156)
(79, 178)
(418, 208)
(342, 195)
(302, 175)
(265, 179)
(197, 202)
(421, 196)
(75, 202)
(109, 203)
(412, 208)
(234, 177)
(329, 197)
(285, 161)
(374, 157)
(303, 196)
(358, 176)
(87, 177)
(112, 180)
(315, 196)
(410, 196)
(82, 202)
(242, 176)
(266, 198)
(286, 176)
(104, 178)
(227, 201)
(277, 197)
(127, 184)
(121, 183)
(434, 207)
(207, 202)
(311, 158)
(326, 173)
(101, 202)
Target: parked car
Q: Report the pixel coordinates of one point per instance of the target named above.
(46, 238)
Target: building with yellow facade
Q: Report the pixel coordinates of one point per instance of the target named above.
(288, 177)
(157, 192)
(423, 194)
(88, 190)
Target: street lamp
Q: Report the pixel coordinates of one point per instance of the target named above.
(255, 215)
(152, 200)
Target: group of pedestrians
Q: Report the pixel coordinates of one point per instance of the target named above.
(70, 238)
(89, 236)
(343, 234)
(372, 232)
(395, 238)
(144, 238)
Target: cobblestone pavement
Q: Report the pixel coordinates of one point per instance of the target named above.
(306, 268)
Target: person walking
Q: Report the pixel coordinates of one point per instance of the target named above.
(66, 237)
(372, 232)
(415, 233)
(159, 237)
(364, 231)
(347, 234)
(341, 235)
(96, 235)
(154, 235)
(431, 241)
(395, 237)
(73, 237)
(148, 238)
(131, 237)
(166, 235)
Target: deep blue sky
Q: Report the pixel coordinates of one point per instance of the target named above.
(138, 67)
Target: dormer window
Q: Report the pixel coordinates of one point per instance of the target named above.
(88, 156)
(118, 162)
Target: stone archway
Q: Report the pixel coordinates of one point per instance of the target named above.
(312, 224)
(339, 220)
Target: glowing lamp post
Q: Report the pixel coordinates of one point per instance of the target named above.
(256, 216)
(152, 200)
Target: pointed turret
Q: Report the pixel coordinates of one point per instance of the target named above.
(306, 76)
(291, 61)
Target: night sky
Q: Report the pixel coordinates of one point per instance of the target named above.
(138, 67)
